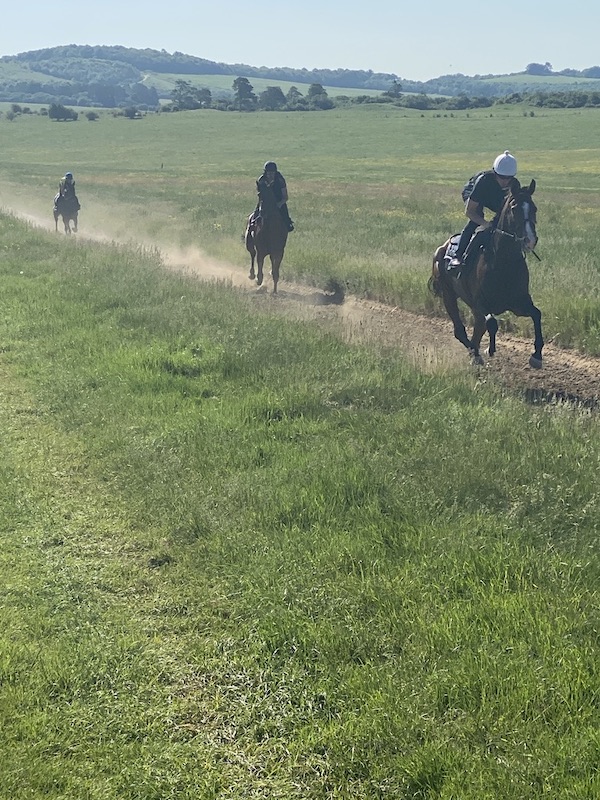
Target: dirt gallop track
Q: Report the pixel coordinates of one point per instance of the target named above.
(566, 376)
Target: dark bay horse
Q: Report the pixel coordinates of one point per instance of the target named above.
(499, 279)
(266, 236)
(67, 207)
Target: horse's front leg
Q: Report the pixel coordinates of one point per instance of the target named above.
(56, 222)
(491, 324)
(260, 260)
(535, 359)
(252, 250)
(75, 223)
(478, 331)
(276, 260)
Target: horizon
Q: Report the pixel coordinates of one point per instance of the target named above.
(393, 40)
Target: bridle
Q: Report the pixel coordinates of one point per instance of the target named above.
(529, 232)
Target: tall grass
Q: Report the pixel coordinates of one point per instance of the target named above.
(244, 559)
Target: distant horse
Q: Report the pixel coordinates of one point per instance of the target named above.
(66, 207)
(266, 236)
(498, 281)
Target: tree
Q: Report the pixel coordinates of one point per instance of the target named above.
(272, 98)
(61, 113)
(314, 90)
(395, 89)
(188, 97)
(92, 116)
(318, 97)
(293, 95)
(244, 96)
(539, 69)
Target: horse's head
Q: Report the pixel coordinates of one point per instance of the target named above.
(518, 216)
(266, 201)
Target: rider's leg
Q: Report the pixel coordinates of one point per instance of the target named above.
(286, 216)
(463, 243)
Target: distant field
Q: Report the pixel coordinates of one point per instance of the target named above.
(14, 71)
(555, 82)
(221, 85)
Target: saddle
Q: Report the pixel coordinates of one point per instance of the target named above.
(479, 242)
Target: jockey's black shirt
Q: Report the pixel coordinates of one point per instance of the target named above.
(277, 186)
(488, 193)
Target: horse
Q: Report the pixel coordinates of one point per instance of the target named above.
(67, 207)
(498, 281)
(266, 236)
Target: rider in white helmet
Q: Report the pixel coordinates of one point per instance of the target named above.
(489, 191)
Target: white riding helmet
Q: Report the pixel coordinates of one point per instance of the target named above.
(505, 164)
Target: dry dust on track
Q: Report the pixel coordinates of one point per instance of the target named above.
(567, 376)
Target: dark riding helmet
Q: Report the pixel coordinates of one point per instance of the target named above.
(270, 166)
(69, 175)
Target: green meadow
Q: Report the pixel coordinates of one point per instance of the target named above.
(242, 558)
(373, 191)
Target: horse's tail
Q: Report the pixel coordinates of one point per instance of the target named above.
(434, 282)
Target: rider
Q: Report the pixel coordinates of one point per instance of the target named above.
(490, 191)
(66, 188)
(272, 178)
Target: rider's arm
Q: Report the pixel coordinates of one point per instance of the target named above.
(284, 195)
(474, 212)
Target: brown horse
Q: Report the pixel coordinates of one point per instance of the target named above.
(67, 207)
(266, 236)
(498, 281)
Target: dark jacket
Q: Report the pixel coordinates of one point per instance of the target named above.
(488, 193)
(277, 186)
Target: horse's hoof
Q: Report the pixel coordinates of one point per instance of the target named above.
(535, 362)
(489, 352)
(259, 281)
(251, 276)
(477, 360)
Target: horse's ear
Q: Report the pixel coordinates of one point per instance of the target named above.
(532, 186)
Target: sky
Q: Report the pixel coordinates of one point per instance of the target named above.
(417, 41)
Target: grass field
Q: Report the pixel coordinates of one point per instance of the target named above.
(373, 191)
(242, 559)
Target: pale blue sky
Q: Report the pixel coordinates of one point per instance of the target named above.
(418, 40)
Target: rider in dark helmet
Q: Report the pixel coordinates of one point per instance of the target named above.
(272, 178)
(66, 189)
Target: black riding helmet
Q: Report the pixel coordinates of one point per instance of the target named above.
(270, 166)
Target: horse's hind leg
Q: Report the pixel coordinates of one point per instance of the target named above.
(75, 223)
(56, 221)
(460, 332)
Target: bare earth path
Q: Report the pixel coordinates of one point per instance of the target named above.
(566, 375)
